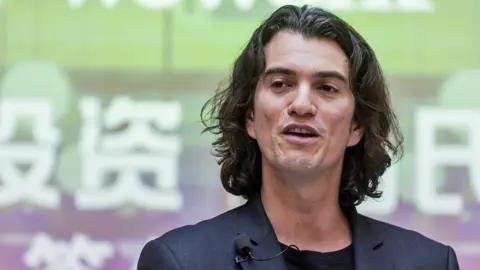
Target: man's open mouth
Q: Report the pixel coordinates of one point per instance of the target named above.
(301, 132)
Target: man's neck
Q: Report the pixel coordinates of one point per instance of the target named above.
(306, 214)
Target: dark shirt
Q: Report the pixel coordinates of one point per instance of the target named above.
(312, 260)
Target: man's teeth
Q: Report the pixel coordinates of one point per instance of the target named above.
(300, 130)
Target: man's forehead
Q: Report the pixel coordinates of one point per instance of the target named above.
(293, 51)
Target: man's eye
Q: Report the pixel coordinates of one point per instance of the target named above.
(278, 84)
(328, 88)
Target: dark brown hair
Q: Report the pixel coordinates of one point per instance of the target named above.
(225, 113)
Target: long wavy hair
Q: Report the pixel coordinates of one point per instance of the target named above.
(225, 113)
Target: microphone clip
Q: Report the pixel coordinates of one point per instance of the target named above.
(241, 258)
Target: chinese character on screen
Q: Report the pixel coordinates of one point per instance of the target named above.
(135, 142)
(27, 166)
(81, 253)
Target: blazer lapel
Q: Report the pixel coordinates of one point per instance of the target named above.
(367, 245)
(254, 223)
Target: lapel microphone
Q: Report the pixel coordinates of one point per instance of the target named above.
(244, 246)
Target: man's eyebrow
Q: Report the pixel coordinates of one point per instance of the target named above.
(318, 74)
(278, 70)
(331, 74)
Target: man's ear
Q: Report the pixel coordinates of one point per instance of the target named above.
(250, 125)
(356, 134)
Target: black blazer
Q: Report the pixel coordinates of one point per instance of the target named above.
(209, 245)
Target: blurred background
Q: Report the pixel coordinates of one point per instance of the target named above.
(101, 145)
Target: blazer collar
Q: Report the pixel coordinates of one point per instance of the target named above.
(367, 243)
(253, 221)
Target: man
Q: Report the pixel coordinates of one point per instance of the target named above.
(305, 131)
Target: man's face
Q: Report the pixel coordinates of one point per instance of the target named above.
(303, 108)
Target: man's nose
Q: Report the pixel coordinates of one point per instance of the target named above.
(302, 104)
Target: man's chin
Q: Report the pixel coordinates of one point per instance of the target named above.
(300, 165)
